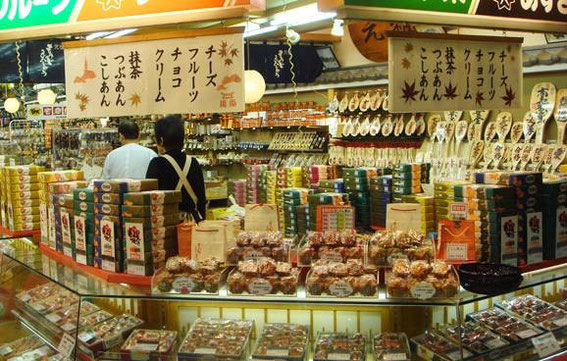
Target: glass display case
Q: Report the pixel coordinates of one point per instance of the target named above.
(51, 311)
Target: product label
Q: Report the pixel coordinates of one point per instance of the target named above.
(86, 336)
(338, 356)
(158, 198)
(396, 256)
(80, 233)
(341, 289)
(509, 240)
(107, 187)
(457, 251)
(65, 227)
(82, 196)
(183, 285)
(277, 352)
(135, 269)
(107, 238)
(106, 198)
(69, 326)
(113, 341)
(106, 209)
(145, 347)
(157, 208)
(158, 232)
(253, 255)
(83, 206)
(134, 240)
(53, 317)
(495, 343)
(561, 232)
(332, 257)
(526, 334)
(395, 357)
(67, 345)
(422, 290)
(205, 350)
(534, 237)
(546, 344)
(52, 231)
(259, 286)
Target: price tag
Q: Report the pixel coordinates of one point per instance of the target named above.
(205, 350)
(67, 345)
(145, 347)
(546, 344)
(6, 350)
(183, 284)
(458, 210)
(562, 322)
(259, 286)
(54, 318)
(25, 298)
(495, 343)
(457, 251)
(422, 290)
(69, 326)
(332, 257)
(341, 289)
(253, 255)
(526, 334)
(338, 356)
(395, 357)
(278, 352)
(86, 336)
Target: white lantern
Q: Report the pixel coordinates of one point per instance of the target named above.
(254, 86)
(46, 96)
(12, 105)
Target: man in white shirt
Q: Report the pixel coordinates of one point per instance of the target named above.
(131, 160)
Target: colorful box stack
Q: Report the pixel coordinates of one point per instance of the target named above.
(554, 195)
(63, 210)
(332, 185)
(107, 209)
(271, 186)
(427, 210)
(253, 184)
(238, 189)
(319, 173)
(444, 195)
(47, 210)
(357, 185)
(407, 179)
(293, 198)
(319, 199)
(150, 222)
(380, 197)
(83, 204)
(20, 198)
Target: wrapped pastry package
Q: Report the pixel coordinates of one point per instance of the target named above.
(386, 247)
(251, 246)
(145, 345)
(107, 334)
(433, 346)
(475, 338)
(340, 346)
(536, 311)
(263, 276)
(184, 275)
(337, 279)
(125, 185)
(422, 280)
(330, 246)
(511, 328)
(391, 346)
(282, 341)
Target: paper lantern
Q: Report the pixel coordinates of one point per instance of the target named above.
(46, 96)
(254, 86)
(12, 105)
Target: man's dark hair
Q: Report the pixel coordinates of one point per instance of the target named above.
(129, 129)
(171, 131)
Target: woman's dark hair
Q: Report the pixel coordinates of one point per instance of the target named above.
(170, 133)
(129, 129)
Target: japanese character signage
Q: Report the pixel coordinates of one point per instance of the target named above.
(524, 15)
(430, 72)
(175, 75)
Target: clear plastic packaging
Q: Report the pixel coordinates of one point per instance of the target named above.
(341, 279)
(391, 346)
(263, 276)
(422, 280)
(282, 341)
(386, 247)
(340, 346)
(251, 246)
(475, 337)
(330, 246)
(538, 312)
(509, 327)
(432, 346)
(186, 276)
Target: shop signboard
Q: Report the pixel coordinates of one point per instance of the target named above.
(56, 111)
(181, 72)
(72, 16)
(441, 72)
(524, 15)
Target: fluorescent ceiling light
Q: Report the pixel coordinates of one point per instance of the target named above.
(97, 35)
(259, 31)
(301, 15)
(120, 33)
(338, 29)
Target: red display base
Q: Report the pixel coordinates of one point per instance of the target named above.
(17, 234)
(111, 277)
(544, 264)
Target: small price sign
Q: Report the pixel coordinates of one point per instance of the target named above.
(546, 344)
(66, 346)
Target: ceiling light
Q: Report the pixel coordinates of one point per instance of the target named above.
(254, 86)
(12, 105)
(46, 96)
(301, 15)
(338, 28)
(259, 31)
(120, 33)
(97, 35)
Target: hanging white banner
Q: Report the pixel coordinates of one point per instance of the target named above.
(203, 74)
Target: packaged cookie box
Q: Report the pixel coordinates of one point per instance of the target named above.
(94, 318)
(340, 346)
(114, 222)
(108, 334)
(38, 293)
(282, 341)
(536, 311)
(167, 220)
(107, 209)
(108, 254)
(182, 275)
(81, 206)
(84, 195)
(54, 303)
(25, 226)
(66, 319)
(108, 198)
(63, 200)
(60, 176)
(135, 234)
(27, 203)
(475, 338)
(152, 197)
(30, 346)
(509, 178)
(25, 170)
(391, 346)
(216, 339)
(422, 280)
(22, 187)
(125, 185)
(146, 345)
(66, 187)
(37, 353)
(263, 277)
(89, 220)
(336, 279)
(149, 211)
(504, 324)
(432, 346)
(16, 196)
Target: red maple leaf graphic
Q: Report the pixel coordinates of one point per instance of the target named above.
(227, 61)
(450, 91)
(479, 98)
(509, 97)
(234, 53)
(406, 63)
(409, 91)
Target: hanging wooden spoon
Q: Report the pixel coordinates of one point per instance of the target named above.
(490, 131)
(343, 105)
(411, 126)
(526, 155)
(365, 127)
(354, 102)
(488, 156)
(453, 116)
(420, 126)
(498, 154)
(334, 104)
(347, 127)
(460, 133)
(537, 157)
(376, 100)
(376, 126)
(387, 126)
(432, 124)
(542, 105)
(560, 115)
(386, 102)
(516, 155)
(558, 157)
(548, 157)
(355, 128)
(479, 116)
(476, 152)
(503, 125)
(450, 133)
(516, 132)
(529, 127)
(399, 125)
(365, 102)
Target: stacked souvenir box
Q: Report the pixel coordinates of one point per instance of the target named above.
(427, 210)
(271, 186)
(150, 222)
(47, 211)
(319, 173)
(293, 198)
(554, 195)
(380, 197)
(527, 204)
(303, 220)
(332, 185)
(253, 184)
(83, 204)
(264, 185)
(20, 198)
(238, 189)
(407, 179)
(319, 199)
(63, 211)
(107, 209)
(444, 195)
(287, 177)
(357, 185)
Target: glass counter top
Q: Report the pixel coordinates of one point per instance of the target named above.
(22, 255)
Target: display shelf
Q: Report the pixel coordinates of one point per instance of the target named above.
(73, 278)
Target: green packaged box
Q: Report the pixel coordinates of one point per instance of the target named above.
(136, 232)
(149, 211)
(84, 195)
(152, 197)
(84, 206)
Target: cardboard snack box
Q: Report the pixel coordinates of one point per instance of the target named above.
(149, 211)
(14, 196)
(80, 206)
(108, 198)
(27, 218)
(66, 187)
(63, 200)
(24, 170)
(152, 197)
(125, 185)
(107, 209)
(23, 211)
(61, 176)
(22, 187)
(83, 195)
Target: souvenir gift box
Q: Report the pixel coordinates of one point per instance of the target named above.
(340, 346)
(536, 311)
(505, 325)
(108, 198)
(391, 346)
(155, 221)
(145, 345)
(282, 341)
(214, 339)
(341, 279)
(475, 338)
(56, 302)
(66, 318)
(330, 246)
(422, 280)
(152, 197)
(386, 247)
(39, 292)
(184, 275)
(94, 318)
(149, 211)
(124, 185)
(26, 348)
(255, 245)
(107, 334)
(433, 346)
(263, 276)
